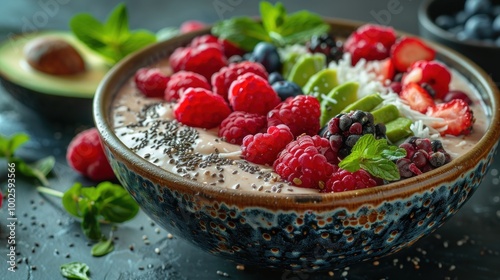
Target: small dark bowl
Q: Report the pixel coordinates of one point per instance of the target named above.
(485, 55)
(308, 232)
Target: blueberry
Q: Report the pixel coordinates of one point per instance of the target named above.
(461, 17)
(275, 77)
(473, 7)
(267, 54)
(446, 22)
(496, 25)
(457, 29)
(495, 11)
(286, 89)
(479, 26)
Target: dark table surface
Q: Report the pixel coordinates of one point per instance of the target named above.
(466, 247)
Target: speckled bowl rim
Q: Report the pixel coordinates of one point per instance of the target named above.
(122, 72)
(426, 22)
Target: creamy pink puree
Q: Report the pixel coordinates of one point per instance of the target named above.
(221, 164)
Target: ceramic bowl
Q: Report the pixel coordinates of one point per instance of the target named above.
(485, 55)
(307, 232)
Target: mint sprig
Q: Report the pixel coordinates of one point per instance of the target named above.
(277, 27)
(38, 170)
(375, 156)
(112, 39)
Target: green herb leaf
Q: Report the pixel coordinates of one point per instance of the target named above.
(39, 169)
(382, 168)
(75, 270)
(375, 156)
(102, 248)
(245, 32)
(272, 16)
(277, 27)
(90, 223)
(107, 202)
(112, 40)
(310, 25)
(116, 204)
(71, 199)
(9, 145)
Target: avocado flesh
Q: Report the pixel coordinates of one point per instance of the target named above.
(15, 69)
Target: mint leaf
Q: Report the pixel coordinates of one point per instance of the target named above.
(382, 168)
(117, 24)
(39, 169)
(245, 32)
(102, 248)
(272, 16)
(112, 40)
(375, 156)
(302, 25)
(75, 270)
(137, 41)
(277, 27)
(9, 145)
(89, 31)
(71, 199)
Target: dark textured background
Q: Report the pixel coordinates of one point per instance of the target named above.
(466, 247)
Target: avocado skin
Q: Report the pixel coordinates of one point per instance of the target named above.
(76, 109)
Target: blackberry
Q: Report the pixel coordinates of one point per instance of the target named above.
(345, 129)
(422, 155)
(327, 45)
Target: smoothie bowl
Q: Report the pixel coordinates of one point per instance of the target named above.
(227, 198)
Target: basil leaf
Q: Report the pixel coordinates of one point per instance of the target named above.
(245, 32)
(102, 248)
(90, 224)
(75, 270)
(116, 204)
(71, 198)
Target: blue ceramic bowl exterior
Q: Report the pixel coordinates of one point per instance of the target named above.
(301, 240)
(306, 232)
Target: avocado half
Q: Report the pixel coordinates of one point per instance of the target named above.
(65, 99)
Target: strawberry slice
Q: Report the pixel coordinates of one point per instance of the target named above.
(408, 50)
(417, 97)
(457, 117)
(385, 70)
(433, 73)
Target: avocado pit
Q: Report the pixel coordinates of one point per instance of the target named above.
(54, 56)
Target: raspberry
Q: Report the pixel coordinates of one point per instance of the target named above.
(252, 93)
(240, 124)
(151, 81)
(370, 42)
(182, 80)
(85, 154)
(205, 59)
(305, 162)
(263, 148)
(221, 81)
(191, 25)
(227, 47)
(344, 130)
(200, 107)
(301, 114)
(343, 180)
(422, 155)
